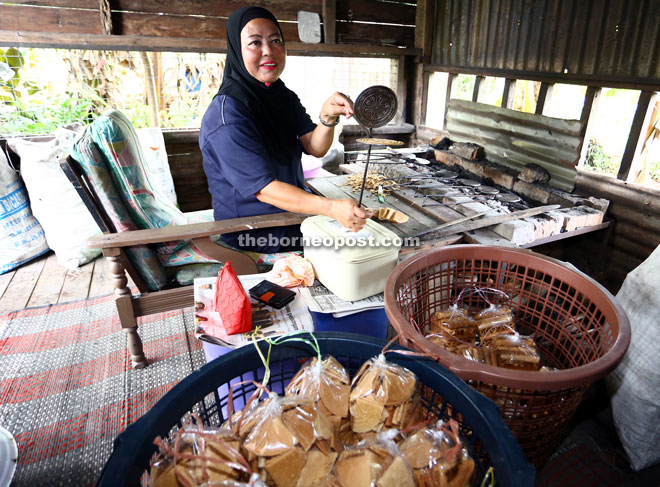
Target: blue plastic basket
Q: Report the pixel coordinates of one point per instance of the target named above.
(487, 437)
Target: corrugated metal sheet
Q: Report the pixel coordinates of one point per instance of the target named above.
(635, 210)
(515, 139)
(602, 39)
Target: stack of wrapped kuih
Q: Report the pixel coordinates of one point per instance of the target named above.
(326, 431)
(489, 336)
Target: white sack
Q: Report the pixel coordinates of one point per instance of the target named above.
(55, 202)
(634, 386)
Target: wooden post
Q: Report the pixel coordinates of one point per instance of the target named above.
(545, 95)
(152, 97)
(477, 87)
(508, 92)
(125, 308)
(591, 98)
(329, 13)
(424, 21)
(401, 91)
(450, 84)
(633, 136)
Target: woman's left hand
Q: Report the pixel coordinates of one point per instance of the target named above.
(338, 104)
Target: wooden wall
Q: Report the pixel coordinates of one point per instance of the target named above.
(185, 159)
(363, 27)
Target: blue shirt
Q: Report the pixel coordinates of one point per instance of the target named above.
(237, 164)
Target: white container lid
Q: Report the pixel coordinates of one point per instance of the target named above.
(372, 242)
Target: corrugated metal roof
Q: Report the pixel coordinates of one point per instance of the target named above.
(606, 39)
(515, 139)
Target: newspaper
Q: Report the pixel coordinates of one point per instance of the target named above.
(269, 321)
(321, 300)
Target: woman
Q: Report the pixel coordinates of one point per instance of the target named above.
(253, 134)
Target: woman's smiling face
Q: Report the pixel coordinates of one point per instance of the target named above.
(263, 50)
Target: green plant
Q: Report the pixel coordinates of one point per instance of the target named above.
(654, 171)
(14, 89)
(599, 161)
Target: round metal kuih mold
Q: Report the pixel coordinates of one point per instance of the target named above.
(375, 106)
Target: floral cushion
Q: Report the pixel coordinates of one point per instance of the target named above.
(91, 161)
(117, 140)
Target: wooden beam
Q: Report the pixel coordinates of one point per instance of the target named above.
(545, 94)
(329, 15)
(508, 92)
(633, 136)
(184, 44)
(649, 84)
(424, 21)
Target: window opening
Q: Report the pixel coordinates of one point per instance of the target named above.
(42, 89)
(609, 127)
(490, 91)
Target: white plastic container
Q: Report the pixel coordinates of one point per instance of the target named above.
(353, 265)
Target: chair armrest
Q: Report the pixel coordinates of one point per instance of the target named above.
(193, 230)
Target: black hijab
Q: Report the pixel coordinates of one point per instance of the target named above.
(272, 107)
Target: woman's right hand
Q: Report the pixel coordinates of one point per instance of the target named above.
(349, 214)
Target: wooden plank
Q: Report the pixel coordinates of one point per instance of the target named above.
(48, 287)
(60, 20)
(329, 19)
(375, 11)
(86, 4)
(424, 28)
(5, 279)
(26, 38)
(493, 220)
(327, 188)
(18, 294)
(112, 241)
(134, 24)
(283, 11)
(633, 135)
(375, 34)
(101, 281)
(335, 188)
(170, 299)
(607, 81)
(76, 285)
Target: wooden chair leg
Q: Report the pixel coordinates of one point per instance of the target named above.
(125, 311)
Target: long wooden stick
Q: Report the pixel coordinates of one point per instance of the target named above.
(485, 222)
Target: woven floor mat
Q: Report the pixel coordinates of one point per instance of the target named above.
(66, 387)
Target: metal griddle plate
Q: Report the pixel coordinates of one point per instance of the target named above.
(373, 108)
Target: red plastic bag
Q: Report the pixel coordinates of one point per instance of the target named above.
(232, 302)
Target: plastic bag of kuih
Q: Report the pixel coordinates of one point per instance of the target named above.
(437, 456)
(512, 351)
(327, 383)
(374, 462)
(455, 322)
(383, 395)
(287, 441)
(199, 455)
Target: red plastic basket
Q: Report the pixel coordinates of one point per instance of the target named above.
(577, 325)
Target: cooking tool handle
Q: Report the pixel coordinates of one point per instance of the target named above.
(366, 169)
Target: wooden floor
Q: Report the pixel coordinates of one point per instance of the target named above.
(44, 281)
